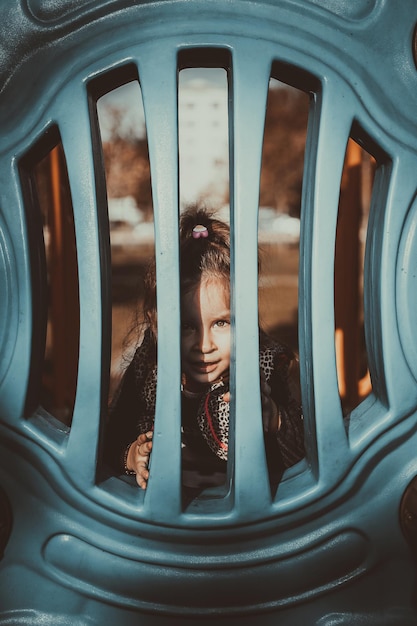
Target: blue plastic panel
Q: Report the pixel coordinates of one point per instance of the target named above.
(327, 549)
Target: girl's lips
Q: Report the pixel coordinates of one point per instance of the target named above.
(204, 367)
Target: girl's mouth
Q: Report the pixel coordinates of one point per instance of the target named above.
(204, 368)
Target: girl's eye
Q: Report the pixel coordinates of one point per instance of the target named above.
(222, 323)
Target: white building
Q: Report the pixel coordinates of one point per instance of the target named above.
(203, 141)
(203, 130)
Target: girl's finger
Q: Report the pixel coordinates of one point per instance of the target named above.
(142, 476)
(145, 448)
(142, 482)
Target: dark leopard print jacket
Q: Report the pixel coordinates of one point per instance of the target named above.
(133, 408)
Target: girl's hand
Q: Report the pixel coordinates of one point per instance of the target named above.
(270, 415)
(138, 458)
(226, 397)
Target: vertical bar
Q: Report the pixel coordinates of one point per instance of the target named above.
(396, 193)
(159, 92)
(82, 446)
(16, 319)
(251, 75)
(323, 172)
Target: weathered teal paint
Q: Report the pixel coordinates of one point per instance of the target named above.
(328, 550)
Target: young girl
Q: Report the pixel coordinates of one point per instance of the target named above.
(205, 358)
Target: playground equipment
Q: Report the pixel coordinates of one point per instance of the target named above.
(335, 545)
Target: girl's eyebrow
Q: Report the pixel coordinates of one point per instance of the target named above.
(223, 314)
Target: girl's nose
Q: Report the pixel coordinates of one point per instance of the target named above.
(205, 341)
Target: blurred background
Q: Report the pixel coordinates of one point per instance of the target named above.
(203, 179)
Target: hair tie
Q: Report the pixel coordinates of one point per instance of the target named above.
(200, 231)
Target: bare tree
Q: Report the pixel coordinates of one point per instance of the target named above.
(127, 166)
(283, 150)
(127, 161)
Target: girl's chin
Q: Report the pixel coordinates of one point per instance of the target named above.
(202, 378)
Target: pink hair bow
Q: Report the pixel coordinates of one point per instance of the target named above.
(200, 231)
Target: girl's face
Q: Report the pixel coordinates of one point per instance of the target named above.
(205, 332)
